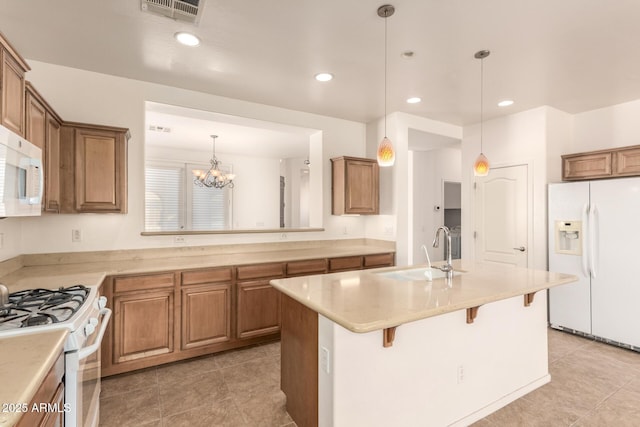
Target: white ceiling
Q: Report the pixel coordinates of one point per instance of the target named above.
(574, 55)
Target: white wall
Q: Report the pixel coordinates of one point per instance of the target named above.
(614, 126)
(89, 97)
(396, 188)
(430, 170)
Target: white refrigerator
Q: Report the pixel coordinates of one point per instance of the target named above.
(594, 233)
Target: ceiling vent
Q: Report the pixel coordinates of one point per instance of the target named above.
(163, 129)
(183, 10)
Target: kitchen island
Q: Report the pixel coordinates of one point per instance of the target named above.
(387, 347)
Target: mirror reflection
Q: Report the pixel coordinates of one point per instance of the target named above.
(208, 171)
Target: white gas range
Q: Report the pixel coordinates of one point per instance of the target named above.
(80, 310)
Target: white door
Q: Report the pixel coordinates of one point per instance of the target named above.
(502, 214)
(615, 285)
(570, 304)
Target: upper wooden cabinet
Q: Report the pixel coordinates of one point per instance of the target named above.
(12, 70)
(43, 129)
(93, 167)
(611, 163)
(355, 186)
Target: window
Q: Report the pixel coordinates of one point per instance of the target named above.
(174, 203)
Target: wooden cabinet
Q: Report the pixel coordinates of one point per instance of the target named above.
(360, 262)
(143, 318)
(93, 165)
(299, 361)
(306, 267)
(258, 308)
(164, 317)
(51, 392)
(613, 163)
(43, 129)
(206, 307)
(355, 187)
(12, 70)
(345, 263)
(627, 162)
(379, 260)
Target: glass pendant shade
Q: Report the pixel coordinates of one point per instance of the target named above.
(386, 154)
(481, 166)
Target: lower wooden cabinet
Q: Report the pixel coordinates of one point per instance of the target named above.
(143, 325)
(258, 303)
(163, 317)
(51, 392)
(206, 315)
(258, 309)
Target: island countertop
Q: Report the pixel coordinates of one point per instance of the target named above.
(364, 301)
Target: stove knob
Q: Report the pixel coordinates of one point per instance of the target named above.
(93, 321)
(101, 302)
(89, 328)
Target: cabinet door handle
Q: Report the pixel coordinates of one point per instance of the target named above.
(521, 249)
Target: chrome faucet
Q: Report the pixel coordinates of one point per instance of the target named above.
(448, 268)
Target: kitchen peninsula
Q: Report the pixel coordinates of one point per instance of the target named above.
(385, 347)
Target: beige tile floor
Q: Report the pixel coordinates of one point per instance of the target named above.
(593, 385)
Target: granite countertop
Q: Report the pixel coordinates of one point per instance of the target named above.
(363, 301)
(26, 360)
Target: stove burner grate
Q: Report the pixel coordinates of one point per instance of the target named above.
(34, 307)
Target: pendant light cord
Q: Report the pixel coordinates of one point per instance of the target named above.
(481, 100)
(385, 76)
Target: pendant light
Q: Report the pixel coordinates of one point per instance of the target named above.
(386, 154)
(481, 166)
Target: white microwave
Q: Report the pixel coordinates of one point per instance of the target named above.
(21, 176)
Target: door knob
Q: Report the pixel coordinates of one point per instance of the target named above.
(521, 249)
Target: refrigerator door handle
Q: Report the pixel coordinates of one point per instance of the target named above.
(585, 235)
(593, 233)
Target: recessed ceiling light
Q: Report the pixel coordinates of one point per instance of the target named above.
(324, 77)
(414, 100)
(505, 103)
(187, 39)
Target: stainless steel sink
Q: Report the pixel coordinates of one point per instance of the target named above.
(413, 274)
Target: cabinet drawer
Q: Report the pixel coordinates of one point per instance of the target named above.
(141, 283)
(345, 263)
(260, 270)
(314, 266)
(209, 275)
(378, 260)
(627, 162)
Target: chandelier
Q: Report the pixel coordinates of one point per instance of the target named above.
(214, 177)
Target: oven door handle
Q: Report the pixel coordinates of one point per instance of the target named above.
(88, 351)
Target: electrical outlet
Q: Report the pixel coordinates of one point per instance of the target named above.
(76, 236)
(178, 239)
(283, 236)
(460, 374)
(324, 359)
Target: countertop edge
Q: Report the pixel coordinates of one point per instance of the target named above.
(27, 393)
(414, 316)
